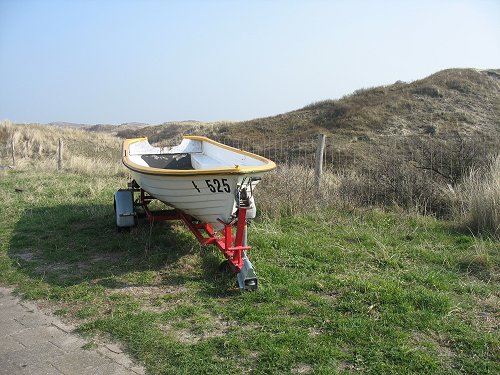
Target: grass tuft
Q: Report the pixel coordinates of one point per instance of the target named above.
(479, 199)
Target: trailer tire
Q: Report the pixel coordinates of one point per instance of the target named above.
(224, 267)
(125, 214)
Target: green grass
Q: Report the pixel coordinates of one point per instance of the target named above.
(340, 292)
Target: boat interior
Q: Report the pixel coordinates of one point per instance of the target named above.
(182, 161)
(168, 161)
(192, 154)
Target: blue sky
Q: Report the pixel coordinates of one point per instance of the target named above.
(90, 61)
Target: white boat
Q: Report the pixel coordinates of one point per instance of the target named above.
(202, 178)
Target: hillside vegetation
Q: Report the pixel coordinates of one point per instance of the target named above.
(451, 111)
(449, 105)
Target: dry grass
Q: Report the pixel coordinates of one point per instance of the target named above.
(91, 166)
(479, 262)
(479, 199)
(291, 190)
(384, 180)
(36, 148)
(450, 101)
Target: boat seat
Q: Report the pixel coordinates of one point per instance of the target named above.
(202, 161)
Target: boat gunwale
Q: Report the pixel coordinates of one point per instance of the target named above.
(237, 170)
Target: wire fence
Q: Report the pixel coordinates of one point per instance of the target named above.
(419, 172)
(409, 172)
(447, 158)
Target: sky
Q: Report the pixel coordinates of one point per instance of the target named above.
(152, 61)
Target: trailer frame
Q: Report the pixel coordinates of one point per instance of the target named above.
(231, 240)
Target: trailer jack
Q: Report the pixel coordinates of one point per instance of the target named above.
(247, 278)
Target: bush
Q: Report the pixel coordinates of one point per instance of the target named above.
(430, 90)
(383, 180)
(330, 116)
(459, 85)
(392, 181)
(449, 159)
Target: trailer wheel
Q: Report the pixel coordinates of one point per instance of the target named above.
(125, 214)
(224, 267)
(118, 229)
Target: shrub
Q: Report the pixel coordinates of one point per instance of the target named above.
(449, 159)
(459, 85)
(429, 90)
(392, 181)
(330, 116)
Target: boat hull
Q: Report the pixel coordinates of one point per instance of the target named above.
(200, 177)
(208, 198)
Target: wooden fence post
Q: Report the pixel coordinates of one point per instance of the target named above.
(13, 149)
(60, 155)
(318, 170)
